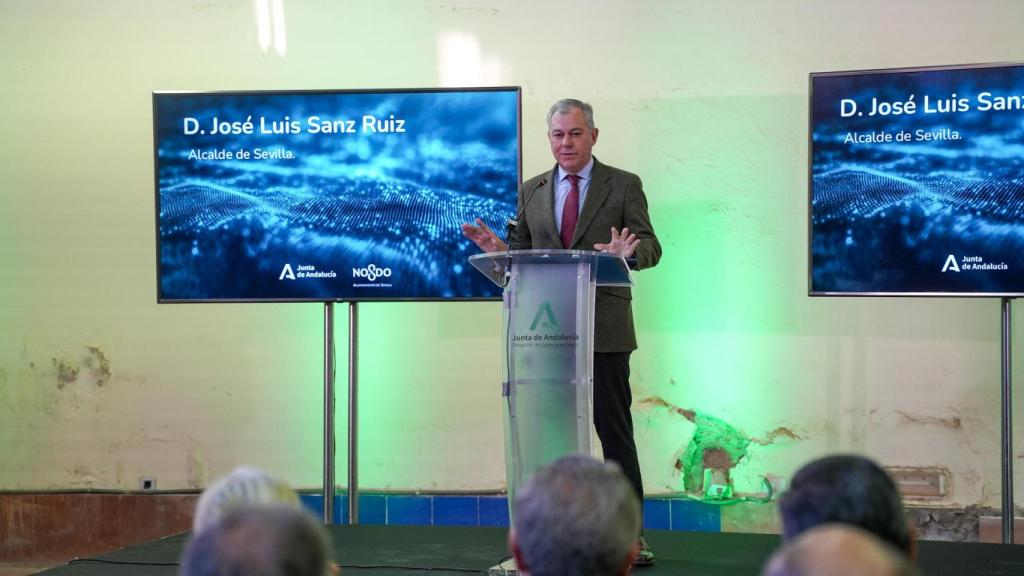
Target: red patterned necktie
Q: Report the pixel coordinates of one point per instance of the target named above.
(571, 210)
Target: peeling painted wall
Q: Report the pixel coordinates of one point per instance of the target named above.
(737, 370)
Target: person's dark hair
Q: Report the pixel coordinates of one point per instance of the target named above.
(576, 517)
(264, 540)
(846, 489)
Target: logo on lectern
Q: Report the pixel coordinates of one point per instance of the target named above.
(545, 318)
(545, 331)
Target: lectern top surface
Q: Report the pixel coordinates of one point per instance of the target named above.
(606, 269)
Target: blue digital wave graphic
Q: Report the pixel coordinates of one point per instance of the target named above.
(926, 202)
(306, 214)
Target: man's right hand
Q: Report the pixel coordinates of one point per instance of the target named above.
(484, 237)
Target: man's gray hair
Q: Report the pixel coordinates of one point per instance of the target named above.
(245, 486)
(576, 517)
(570, 104)
(261, 540)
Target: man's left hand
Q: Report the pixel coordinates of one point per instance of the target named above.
(623, 244)
(484, 237)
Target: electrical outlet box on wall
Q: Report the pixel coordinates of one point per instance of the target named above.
(922, 484)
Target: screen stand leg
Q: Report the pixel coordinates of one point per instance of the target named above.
(353, 460)
(328, 413)
(1007, 401)
(329, 434)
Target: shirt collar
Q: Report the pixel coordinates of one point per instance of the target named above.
(584, 174)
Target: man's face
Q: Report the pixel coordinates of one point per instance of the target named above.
(571, 140)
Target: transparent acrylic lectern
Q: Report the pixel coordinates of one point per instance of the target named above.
(548, 351)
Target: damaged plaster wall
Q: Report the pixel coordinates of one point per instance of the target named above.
(737, 367)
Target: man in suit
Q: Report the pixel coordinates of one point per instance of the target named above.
(582, 204)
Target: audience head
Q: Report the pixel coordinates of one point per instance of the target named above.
(838, 550)
(259, 540)
(850, 490)
(244, 486)
(576, 517)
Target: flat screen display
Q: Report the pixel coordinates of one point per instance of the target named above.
(917, 182)
(330, 195)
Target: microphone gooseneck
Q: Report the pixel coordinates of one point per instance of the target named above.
(511, 238)
(513, 223)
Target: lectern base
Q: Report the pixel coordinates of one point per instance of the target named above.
(506, 568)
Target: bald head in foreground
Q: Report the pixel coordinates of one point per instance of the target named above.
(576, 517)
(838, 550)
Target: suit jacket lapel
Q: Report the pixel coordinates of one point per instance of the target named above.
(597, 193)
(547, 208)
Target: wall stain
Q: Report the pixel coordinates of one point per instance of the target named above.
(66, 372)
(474, 11)
(659, 402)
(780, 432)
(860, 411)
(715, 443)
(196, 468)
(95, 361)
(98, 364)
(953, 422)
(80, 475)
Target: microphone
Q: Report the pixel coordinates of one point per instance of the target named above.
(513, 223)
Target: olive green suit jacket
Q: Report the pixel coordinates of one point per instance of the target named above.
(615, 198)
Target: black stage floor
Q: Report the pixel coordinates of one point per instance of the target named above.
(408, 550)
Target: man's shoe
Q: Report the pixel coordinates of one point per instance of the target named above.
(645, 557)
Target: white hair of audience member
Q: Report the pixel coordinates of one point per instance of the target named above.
(245, 485)
(577, 517)
(259, 540)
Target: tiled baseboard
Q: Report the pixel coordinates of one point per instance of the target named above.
(457, 510)
(59, 526)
